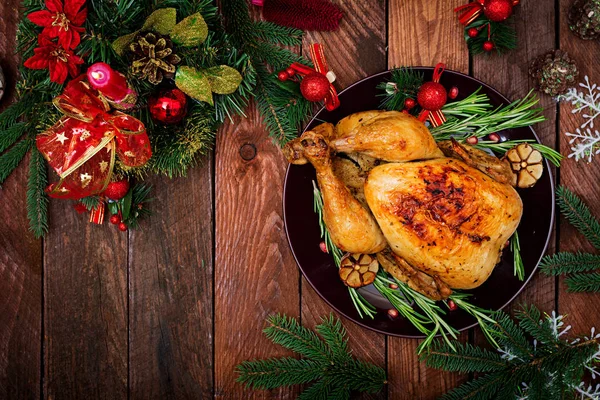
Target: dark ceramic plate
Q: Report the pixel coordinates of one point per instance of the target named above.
(302, 225)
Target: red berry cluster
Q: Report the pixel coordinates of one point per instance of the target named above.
(115, 219)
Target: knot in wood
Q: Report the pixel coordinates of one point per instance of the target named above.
(248, 151)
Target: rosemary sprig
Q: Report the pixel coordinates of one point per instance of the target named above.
(468, 120)
(481, 315)
(501, 147)
(515, 247)
(360, 303)
(474, 104)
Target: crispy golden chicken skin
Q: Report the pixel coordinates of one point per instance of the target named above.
(444, 217)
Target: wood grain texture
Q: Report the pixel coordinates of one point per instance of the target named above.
(170, 291)
(20, 255)
(509, 74)
(255, 274)
(422, 34)
(85, 319)
(583, 309)
(355, 51)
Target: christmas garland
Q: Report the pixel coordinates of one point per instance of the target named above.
(152, 95)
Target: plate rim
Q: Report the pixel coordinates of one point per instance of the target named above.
(421, 336)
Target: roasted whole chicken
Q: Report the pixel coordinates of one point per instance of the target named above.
(437, 216)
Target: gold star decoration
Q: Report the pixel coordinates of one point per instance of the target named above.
(85, 179)
(103, 165)
(61, 138)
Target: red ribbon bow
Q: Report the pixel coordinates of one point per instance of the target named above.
(332, 100)
(470, 12)
(82, 145)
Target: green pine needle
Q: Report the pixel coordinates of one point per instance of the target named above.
(9, 136)
(328, 362)
(277, 34)
(502, 34)
(37, 201)
(583, 282)
(10, 160)
(550, 368)
(404, 83)
(578, 214)
(566, 263)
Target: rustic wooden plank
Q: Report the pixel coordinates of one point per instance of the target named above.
(535, 25)
(583, 310)
(255, 275)
(20, 257)
(422, 33)
(85, 319)
(355, 51)
(170, 297)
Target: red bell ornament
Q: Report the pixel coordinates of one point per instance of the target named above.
(168, 106)
(314, 87)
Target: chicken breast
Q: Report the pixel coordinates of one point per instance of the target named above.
(444, 217)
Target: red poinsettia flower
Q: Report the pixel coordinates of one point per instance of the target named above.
(62, 20)
(53, 56)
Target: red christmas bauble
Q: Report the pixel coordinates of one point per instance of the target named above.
(409, 103)
(497, 10)
(122, 227)
(488, 46)
(432, 96)
(117, 190)
(314, 87)
(115, 219)
(290, 71)
(168, 106)
(283, 76)
(472, 32)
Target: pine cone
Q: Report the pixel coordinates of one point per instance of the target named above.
(554, 72)
(153, 57)
(584, 19)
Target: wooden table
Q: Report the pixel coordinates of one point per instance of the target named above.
(167, 311)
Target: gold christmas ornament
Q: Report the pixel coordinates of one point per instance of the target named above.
(358, 270)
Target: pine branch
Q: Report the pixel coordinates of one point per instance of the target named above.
(464, 358)
(578, 214)
(329, 364)
(37, 201)
(530, 321)
(566, 263)
(288, 333)
(274, 372)
(10, 160)
(502, 34)
(510, 337)
(583, 282)
(9, 136)
(482, 388)
(278, 35)
(404, 83)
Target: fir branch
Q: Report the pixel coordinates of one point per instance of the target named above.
(583, 282)
(272, 373)
(566, 263)
(9, 136)
(139, 205)
(37, 201)
(277, 34)
(552, 368)
(578, 214)
(502, 34)
(10, 160)
(463, 358)
(329, 364)
(404, 83)
(288, 333)
(91, 202)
